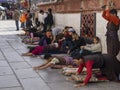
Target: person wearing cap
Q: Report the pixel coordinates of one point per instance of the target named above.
(71, 30)
(68, 40)
(102, 61)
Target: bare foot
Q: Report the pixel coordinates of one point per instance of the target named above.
(24, 54)
(69, 79)
(27, 54)
(35, 68)
(76, 85)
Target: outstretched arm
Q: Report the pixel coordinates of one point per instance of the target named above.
(111, 18)
(80, 69)
(88, 65)
(43, 66)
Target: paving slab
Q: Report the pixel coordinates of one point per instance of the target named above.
(16, 44)
(63, 86)
(19, 65)
(5, 71)
(12, 55)
(51, 75)
(1, 55)
(12, 88)
(8, 81)
(4, 63)
(33, 61)
(26, 73)
(34, 84)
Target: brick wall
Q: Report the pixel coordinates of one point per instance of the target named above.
(73, 6)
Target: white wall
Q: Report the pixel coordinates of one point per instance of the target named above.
(101, 30)
(74, 21)
(119, 37)
(68, 20)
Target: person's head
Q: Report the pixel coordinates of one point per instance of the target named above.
(71, 31)
(66, 27)
(113, 12)
(50, 10)
(28, 11)
(47, 56)
(96, 40)
(78, 59)
(48, 33)
(41, 11)
(75, 36)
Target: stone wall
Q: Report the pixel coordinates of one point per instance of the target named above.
(73, 6)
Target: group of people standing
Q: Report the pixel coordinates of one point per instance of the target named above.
(29, 19)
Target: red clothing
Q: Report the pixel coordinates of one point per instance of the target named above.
(88, 66)
(111, 18)
(38, 50)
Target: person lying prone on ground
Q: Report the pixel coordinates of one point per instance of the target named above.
(42, 49)
(52, 61)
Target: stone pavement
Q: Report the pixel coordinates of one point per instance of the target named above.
(16, 71)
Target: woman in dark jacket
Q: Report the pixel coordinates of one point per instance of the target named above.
(109, 66)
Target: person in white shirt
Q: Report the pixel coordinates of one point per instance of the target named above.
(41, 18)
(94, 48)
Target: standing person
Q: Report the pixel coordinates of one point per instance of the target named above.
(41, 18)
(0, 15)
(49, 19)
(112, 28)
(29, 26)
(36, 17)
(29, 14)
(108, 64)
(23, 20)
(16, 17)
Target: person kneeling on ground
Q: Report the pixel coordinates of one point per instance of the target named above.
(55, 62)
(109, 66)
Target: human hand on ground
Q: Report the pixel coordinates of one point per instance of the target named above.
(77, 73)
(79, 85)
